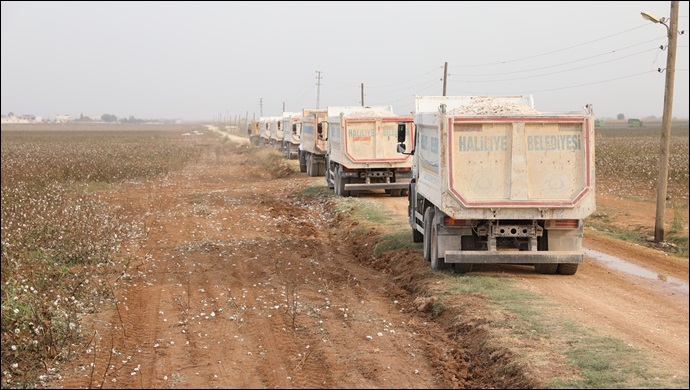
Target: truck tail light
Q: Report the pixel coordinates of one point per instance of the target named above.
(404, 169)
(563, 224)
(448, 221)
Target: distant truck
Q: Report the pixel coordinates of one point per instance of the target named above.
(254, 131)
(361, 150)
(312, 145)
(265, 130)
(495, 181)
(276, 136)
(634, 123)
(292, 126)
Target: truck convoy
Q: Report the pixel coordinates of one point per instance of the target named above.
(361, 152)
(312, 146)
(495, 181)
(292, 125)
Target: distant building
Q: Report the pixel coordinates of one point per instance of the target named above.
(27, 118)
(61, 118)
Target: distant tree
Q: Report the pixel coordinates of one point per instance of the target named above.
(108, 118)
(10, 114)
(621, 116)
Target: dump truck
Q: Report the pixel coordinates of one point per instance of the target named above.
(312, 144)
(254, 131)
(361, 150)
(265, 130)
(495, 181)
(292, 127)
(276, 137)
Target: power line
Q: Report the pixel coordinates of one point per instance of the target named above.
(554, 51)
(563, 63)
(560, 71)
(574, 86)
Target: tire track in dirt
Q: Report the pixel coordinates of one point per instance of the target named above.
(281, 274)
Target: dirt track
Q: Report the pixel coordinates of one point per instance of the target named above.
(244, 283)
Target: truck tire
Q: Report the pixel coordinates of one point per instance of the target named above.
(428, 218)
(546, 268)
(567, 268)
(417, 236)
(337, 183)
(340, 182)
(396, 193)
(329, 176)
(302, 162)
(437, 263)
(462, 268)
(312, 166)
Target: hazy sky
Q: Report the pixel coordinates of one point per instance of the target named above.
(204, 60)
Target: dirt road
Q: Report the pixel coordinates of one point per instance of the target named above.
(244, 283)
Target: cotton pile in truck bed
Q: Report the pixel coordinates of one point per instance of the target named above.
(490, 106)
(366, 113)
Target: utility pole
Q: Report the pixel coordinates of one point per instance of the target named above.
(261, 107)
(283, 106)
(445, 77)
(661, 195)
(672, 30)
(318, 87)
(362, 94)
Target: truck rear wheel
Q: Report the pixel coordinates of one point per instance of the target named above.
(437, 263)
(567, 268)
(340, 182)
(312, 166)
(428, 217)
(329, 176)
(462, 268)
(546, 268)
(416, 235)
(302, 162)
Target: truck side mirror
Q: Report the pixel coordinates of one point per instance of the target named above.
(319, 130)
(401, 132)
(401, 140)
(294, 128)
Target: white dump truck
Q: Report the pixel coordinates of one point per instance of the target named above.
(361, 150)
(495, 181)
(265, 130)
(276, 137)
(312, 146)
(292, 127)
(254, 131)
